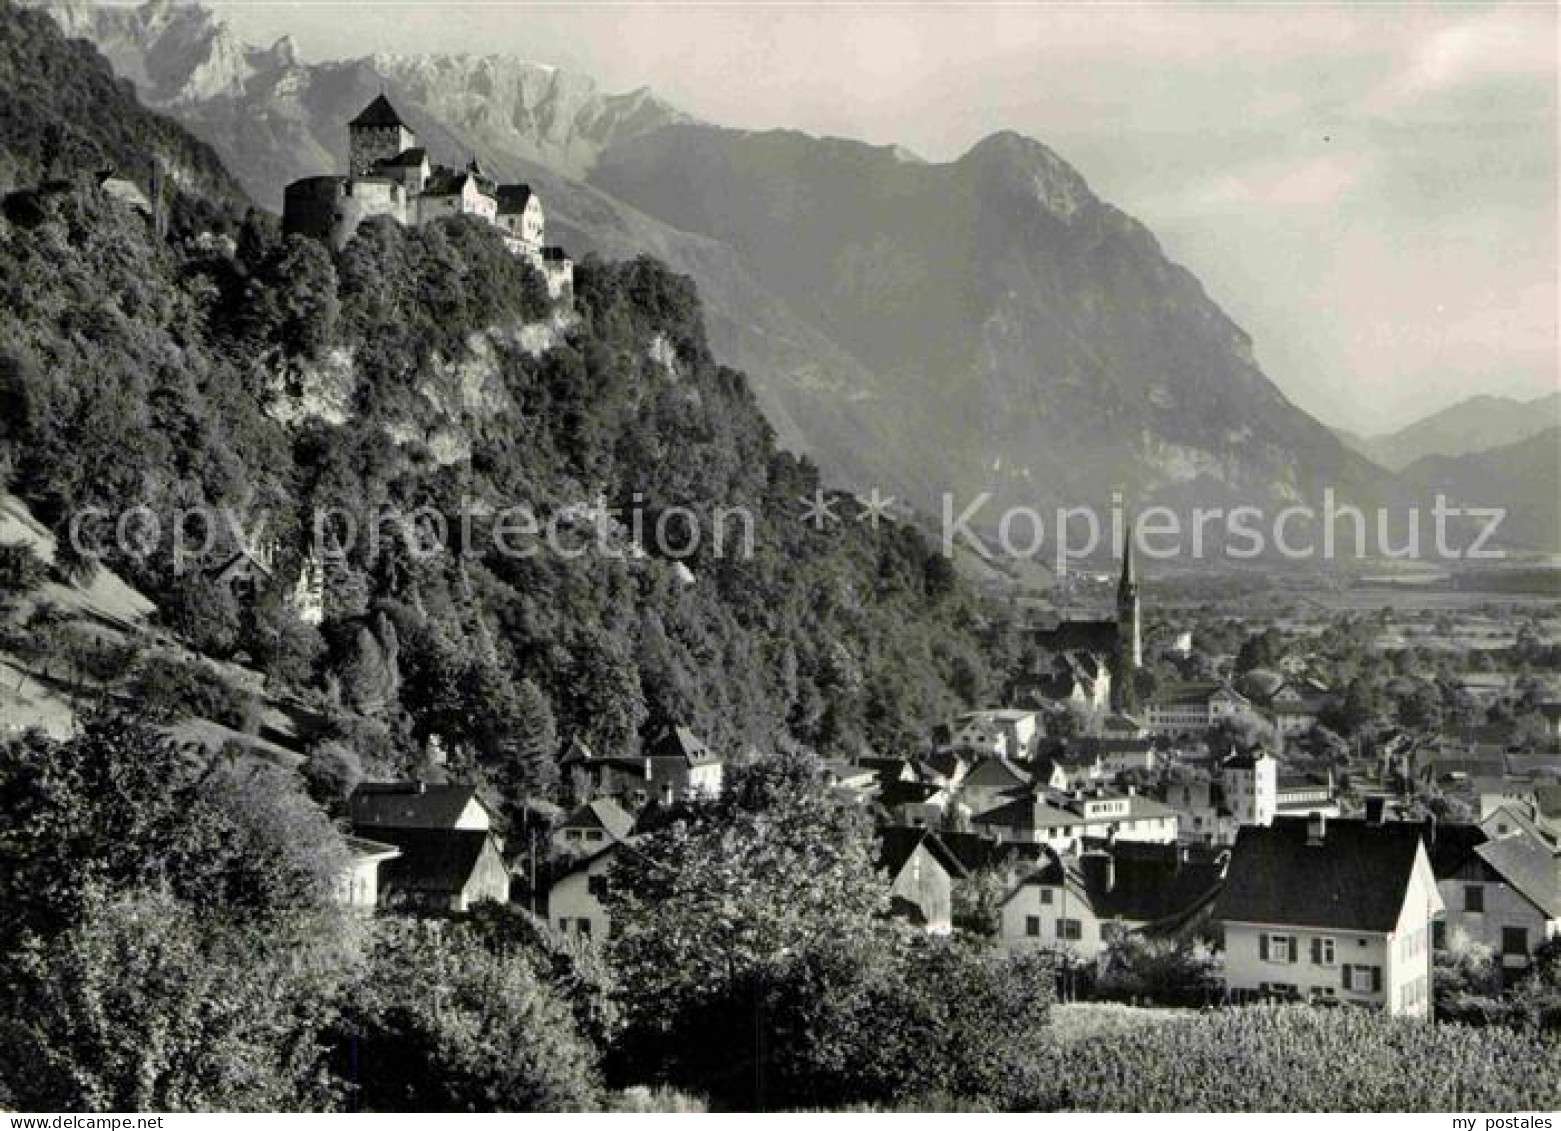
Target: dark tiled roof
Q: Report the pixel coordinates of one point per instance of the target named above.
(1152, 883)
(378, 113)
(995, 773)
(436, 860)
(421, 805)
(513, 199)
(1356, 879)
(1097, 636)
(1529, 868)
(907, 792)
(603, 813)
(1451, 845)
(681, 744)
(895, 846)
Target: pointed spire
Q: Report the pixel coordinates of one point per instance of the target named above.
(1129, 576)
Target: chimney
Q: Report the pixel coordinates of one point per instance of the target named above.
(1375, 808)
(1316, 828)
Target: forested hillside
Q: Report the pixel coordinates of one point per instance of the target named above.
(424, 369)
(63, 113)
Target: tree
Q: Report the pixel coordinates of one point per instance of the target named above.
(146, 1004)
(442, 1023)
(21, 572)
(118, 807)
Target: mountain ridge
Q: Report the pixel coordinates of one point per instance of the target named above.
(1477, 423)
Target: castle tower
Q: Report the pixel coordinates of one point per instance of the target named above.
(377, 134)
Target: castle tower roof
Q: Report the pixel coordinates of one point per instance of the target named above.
(378, 113)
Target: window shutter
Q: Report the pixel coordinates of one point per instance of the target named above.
(1346, 969)
(1376, 979)
(1317, 952)
(1262, 947)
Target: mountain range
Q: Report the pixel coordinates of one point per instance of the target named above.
(1474, 424)
(983, 325)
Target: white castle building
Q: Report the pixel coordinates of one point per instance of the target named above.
(389, 174)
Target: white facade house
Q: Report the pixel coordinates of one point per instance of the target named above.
(1062, 821)
(1005, 733)
(574, 902)
(1325, 910)
(1251, 787)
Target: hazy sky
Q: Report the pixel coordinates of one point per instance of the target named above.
(1370, 191)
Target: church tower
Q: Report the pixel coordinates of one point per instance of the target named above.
(1130, 636)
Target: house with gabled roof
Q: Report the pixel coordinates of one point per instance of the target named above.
(357, 887)
(418, 805)
(1503, 892)
(592, 826)
(575, 904)
(922, 871)
(990, 782)
(1339, 911)
(1080, 903)
(439, 870)
(1062, 820)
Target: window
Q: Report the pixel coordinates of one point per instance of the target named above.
(584, 927)
(1439, 935)
(1069, 929)
(1276, 948)
(1514, 940)
(1046, 896)
(1362, 979)
(1473, 898)
(1032, 926)
(1322, 952)
(596, 885)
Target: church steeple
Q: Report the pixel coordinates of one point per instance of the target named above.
(1129, 627)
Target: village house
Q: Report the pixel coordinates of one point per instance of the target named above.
(1080, 903)
(1331, 911)
(922, 872)
(418, 805)
(992, 781)
(1503, 892)
(1250, 785)
(1061, 821)
(439, 870)
(1007, 733)
(1193, 707)
(1301, 795)
(673, 765)
(574, 901)
(358, 886)
(592, 826)
(1199, 803)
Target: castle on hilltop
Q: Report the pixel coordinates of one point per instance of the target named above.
(389, 174)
